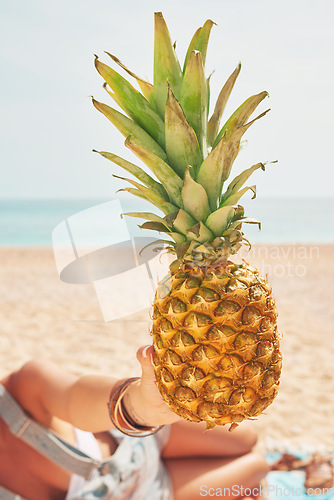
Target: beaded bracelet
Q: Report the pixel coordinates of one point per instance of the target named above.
(119, 415)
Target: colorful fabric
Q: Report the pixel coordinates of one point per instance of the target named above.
(285, 485)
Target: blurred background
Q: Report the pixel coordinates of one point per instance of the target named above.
(50, 176)
(49, 126)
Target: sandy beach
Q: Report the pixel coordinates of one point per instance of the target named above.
(41, 316)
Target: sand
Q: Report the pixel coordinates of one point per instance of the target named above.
(41, 316)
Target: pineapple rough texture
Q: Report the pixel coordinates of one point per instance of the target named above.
(217, 354)
(215, 335)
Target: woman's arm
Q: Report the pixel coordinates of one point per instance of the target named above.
(45, 391)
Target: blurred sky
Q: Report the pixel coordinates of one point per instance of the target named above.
(49, 126)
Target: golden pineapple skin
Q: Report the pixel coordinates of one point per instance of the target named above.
(216, 342)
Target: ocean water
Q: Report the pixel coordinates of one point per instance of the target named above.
(31, 222)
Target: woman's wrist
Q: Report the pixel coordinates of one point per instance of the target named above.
(120, 416)
(146, 412)
(135, 407)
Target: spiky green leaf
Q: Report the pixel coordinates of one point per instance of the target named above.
(155, 226)
(193, 98)
(166, 175)
(240, 116)
(135, 192)
(181, 142)
(128, 127)
(138, 172)
(195, 199)
(234, 198)
(233, 147)
(219, 220)
(191, 48)
(199, 232)
(156, 223)
(239, 181)
(170, 245)
(145, 87)
(180, 251)
(113, 96)
(235, 225)
(177, 237)
(235, 238)
(166, 64)
(150, 195)
(210, 173)
(147, 216)
(135, 104)
(250, 220)
(208, 92)
(216, 167)
(200, 42)
(214, 122)
(180, 220)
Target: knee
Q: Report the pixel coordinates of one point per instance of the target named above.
(260, 466)
(252, 437)
(247, 437)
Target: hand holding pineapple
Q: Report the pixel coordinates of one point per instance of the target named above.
(215, 335)
(143, 401)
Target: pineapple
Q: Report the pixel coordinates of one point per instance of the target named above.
(217, 356)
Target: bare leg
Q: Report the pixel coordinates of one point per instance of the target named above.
(195, 478)
(192, 440)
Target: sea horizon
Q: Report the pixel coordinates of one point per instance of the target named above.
(30, 222)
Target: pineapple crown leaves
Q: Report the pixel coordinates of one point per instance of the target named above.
(190, 156)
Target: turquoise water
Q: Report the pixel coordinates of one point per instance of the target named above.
(31, 222)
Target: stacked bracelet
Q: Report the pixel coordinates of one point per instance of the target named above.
(119, 415)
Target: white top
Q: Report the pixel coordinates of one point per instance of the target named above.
(85, 442)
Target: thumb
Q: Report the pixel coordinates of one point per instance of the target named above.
(149, 389)
(145, 358)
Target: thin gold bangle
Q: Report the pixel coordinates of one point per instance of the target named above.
(118, 414)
